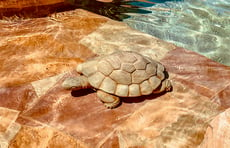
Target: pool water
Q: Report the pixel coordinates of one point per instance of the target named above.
(199, 25)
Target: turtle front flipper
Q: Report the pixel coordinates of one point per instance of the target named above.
(76, 83)
(110, 101)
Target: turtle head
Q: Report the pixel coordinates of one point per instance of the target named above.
(79, 68)
(71, 83)
(76, 83)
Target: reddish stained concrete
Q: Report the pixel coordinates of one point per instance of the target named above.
(46, 114)
(84, 117)
(145, 121)
(17, 98)
(222, 97)
(202, 74)
(217, 134)
(44, 45)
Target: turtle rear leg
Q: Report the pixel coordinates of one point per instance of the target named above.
(110, 101)
(165, 86)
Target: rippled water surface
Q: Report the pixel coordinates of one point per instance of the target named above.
(199, 25)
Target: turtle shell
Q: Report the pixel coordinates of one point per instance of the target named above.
(124, 73)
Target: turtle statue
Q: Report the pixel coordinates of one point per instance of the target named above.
(120, 74)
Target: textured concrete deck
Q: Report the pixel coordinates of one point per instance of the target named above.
(37, 54)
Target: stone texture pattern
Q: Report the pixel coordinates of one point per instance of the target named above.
(217, 134)
(46, 43)
(36, 56)
(8, 127)
(105, 41)
(28, 8)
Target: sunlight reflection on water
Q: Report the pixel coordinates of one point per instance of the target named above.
(201, 26)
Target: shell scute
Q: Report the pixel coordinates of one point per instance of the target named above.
(105, 67)
(121, 77)
(129, 67)
(88, 68)
(154, 82)
(122, 90)
(131, 57)
(108, 85)
(146, 88)
(139, 76)
(96, 79)
(151, 69)
(140, 64)
(114, 61)
(160, 67)
(134, 90)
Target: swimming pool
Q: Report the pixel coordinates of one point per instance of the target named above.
(199, 25)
